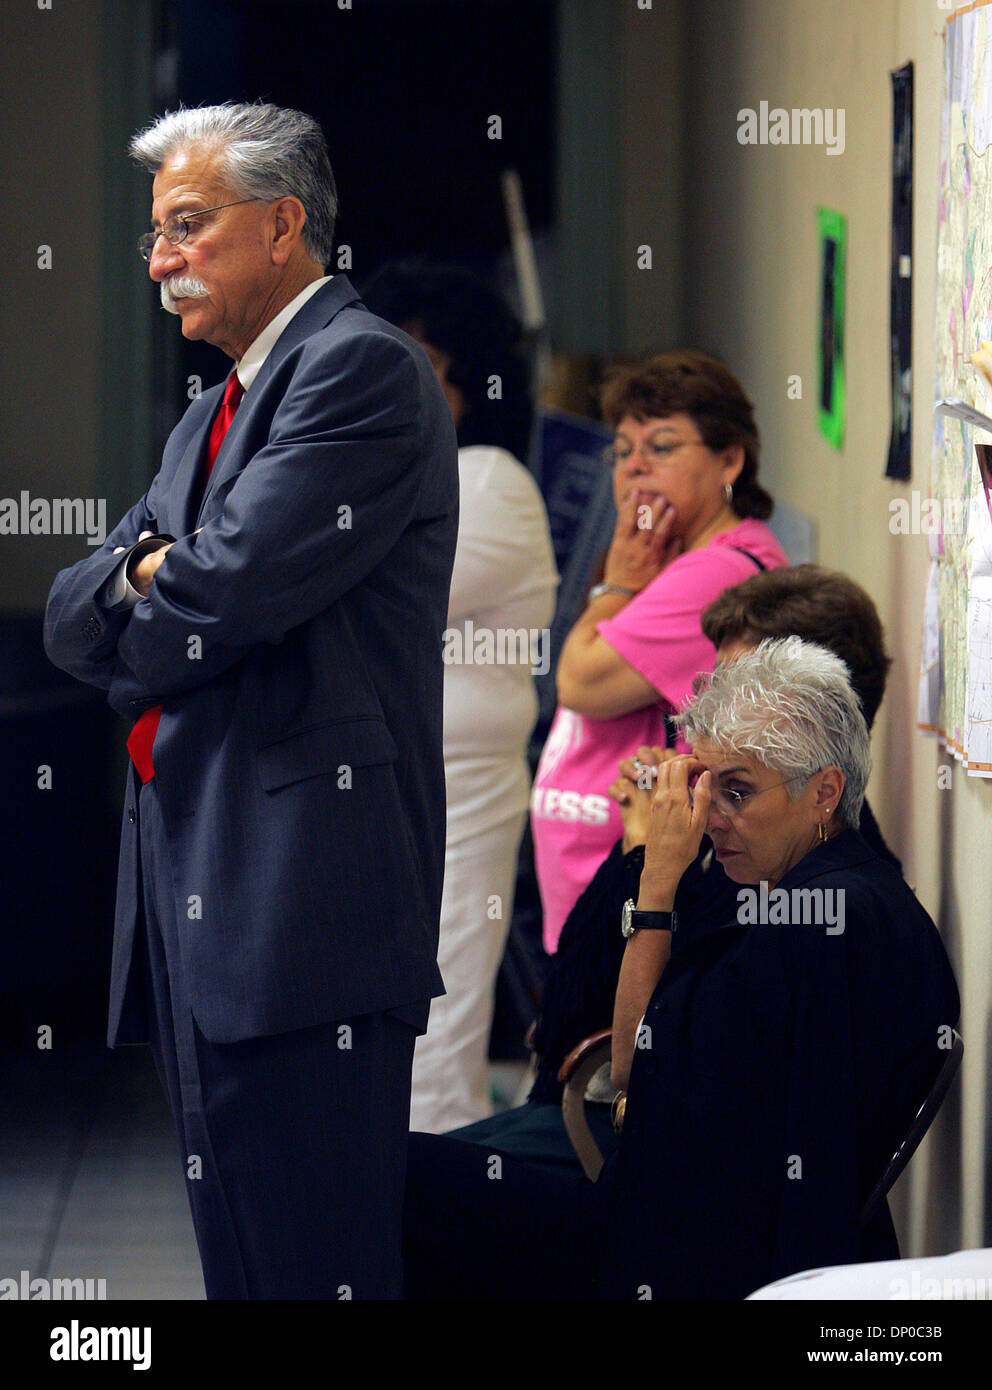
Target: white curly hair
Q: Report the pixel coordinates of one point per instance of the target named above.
(790, 705)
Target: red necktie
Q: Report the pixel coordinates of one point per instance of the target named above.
(222, 420)
(142, 736)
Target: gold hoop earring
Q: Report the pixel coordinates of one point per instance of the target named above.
(823, 831)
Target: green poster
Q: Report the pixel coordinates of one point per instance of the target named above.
(830, 348)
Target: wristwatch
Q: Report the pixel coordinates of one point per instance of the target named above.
(599, 589)
(631, 920)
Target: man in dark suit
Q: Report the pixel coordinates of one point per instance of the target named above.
(270, 613)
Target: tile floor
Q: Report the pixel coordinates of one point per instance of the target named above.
(90, 1177)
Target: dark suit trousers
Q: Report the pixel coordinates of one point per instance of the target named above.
(293, 1146)
(484, 1225)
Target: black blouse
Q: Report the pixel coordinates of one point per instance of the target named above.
(582, 978)
(780, 1066)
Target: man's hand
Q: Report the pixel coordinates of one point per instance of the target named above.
(144, 570)
(141, 575)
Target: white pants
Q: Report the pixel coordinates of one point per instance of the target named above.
(450, 1062)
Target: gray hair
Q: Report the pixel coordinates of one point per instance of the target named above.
(267, 152)
(790, 705)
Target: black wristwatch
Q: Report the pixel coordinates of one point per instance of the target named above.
(631, 920)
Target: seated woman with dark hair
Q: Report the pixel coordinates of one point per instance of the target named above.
(808, 601)
(783, 1050)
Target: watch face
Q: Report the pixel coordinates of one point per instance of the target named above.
(625, 916)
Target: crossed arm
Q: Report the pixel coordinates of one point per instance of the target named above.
(81, 635)
(312, 513)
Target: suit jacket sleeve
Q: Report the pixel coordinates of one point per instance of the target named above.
(311, 515)
(81, 635)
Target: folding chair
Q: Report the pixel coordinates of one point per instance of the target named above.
(594, 1052)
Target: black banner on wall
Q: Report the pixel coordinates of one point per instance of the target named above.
(901, 290)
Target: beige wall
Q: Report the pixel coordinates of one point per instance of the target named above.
(52, 372)
(752, 294)
(76, 369)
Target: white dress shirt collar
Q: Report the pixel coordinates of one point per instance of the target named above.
(251, 363)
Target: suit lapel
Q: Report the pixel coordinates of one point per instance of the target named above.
(179, 506)
(316, 313)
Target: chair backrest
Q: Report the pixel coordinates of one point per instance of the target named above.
(921, 1123)
(576, 1072)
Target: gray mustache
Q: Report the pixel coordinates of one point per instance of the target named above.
(180, 287)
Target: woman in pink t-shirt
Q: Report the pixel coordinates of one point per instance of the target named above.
(690, 523)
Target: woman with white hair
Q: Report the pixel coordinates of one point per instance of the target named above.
(772, 1059)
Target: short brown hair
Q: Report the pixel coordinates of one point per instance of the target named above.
(690, 383)
(816, 604)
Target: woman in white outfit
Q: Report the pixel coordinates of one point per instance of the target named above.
(500, 607)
